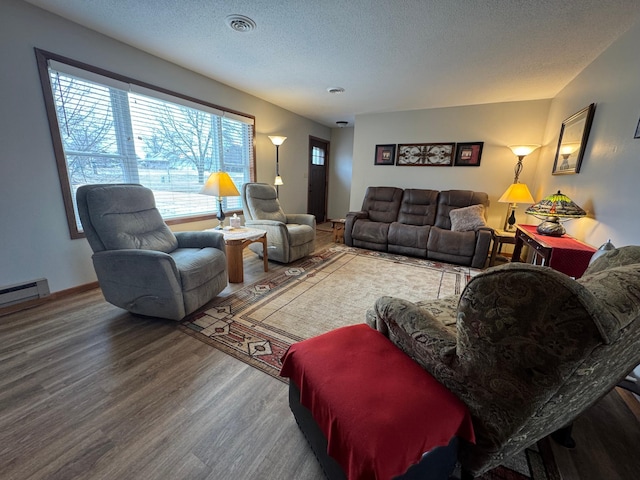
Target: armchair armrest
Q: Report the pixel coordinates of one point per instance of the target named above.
(414, 330)
(483, 242)
(263, 223)
(277, 233)
(302, 219)
(134, 267)
(141, 281)
(214, 239)
(349, 220)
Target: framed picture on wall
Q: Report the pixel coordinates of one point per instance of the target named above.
(637, 135)
(426, 154)
(385, 155)
(468, 154)
(572, 143)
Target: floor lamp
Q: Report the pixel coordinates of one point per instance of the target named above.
(517, 192)
(277, 141)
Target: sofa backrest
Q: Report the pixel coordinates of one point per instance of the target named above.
(418, 207)
(382, 203)
(123, 216)
(451, 199)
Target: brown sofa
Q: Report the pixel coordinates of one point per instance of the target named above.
(418, 222)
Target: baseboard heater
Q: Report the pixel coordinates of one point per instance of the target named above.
(23, 292)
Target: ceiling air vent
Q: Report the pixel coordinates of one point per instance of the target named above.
(240, 23)
(335, 90)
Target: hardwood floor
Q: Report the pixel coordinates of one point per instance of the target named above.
(88, 391)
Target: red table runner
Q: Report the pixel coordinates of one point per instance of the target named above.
(378, 409)
(569, 256)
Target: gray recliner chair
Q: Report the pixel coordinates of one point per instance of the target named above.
(289, 236)
(141, 265)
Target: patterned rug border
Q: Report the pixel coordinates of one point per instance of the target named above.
(262, 346)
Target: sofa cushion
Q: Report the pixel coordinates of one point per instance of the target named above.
(198, 266)
(467, 218)
(411, 236)
(382, 203)
(418, 207)
(371, 232)
(443, 241)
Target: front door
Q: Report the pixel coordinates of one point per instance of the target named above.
(318, 168)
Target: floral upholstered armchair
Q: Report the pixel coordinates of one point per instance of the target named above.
(525, 347)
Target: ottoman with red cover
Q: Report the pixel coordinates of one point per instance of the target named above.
(380, 414)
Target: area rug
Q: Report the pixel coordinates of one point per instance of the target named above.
(330, 289)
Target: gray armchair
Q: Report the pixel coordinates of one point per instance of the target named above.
(289, 236)
(141, 265)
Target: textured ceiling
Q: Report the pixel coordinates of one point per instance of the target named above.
(388, 55)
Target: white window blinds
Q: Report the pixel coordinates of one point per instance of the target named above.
(119, 132)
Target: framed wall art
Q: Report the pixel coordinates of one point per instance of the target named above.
(574, 134)
(468, 154)
(426, 154)
(385, 155)
(637, 135)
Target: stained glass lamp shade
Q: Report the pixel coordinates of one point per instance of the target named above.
(554, 209)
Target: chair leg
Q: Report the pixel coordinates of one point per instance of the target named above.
(563, 436)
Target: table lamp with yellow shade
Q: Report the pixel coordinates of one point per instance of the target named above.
(220, 184)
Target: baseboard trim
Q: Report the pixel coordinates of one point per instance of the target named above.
(49, 298)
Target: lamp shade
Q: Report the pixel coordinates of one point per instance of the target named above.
(553, 208)
(517, 193)
(277, 139)
(220, 184)
(523, 150)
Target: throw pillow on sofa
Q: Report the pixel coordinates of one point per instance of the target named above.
(467, 218)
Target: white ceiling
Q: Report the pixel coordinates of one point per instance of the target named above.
(388, 55)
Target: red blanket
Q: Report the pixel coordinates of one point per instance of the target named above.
(378, 409)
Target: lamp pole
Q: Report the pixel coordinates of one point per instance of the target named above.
(277, 169)
(277, 140)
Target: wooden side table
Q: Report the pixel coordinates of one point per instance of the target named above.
(236, 240)
(565, 253)
(500, 237)
(338, 229)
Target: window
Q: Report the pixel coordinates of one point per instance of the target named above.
(317, 156)
(110, 129)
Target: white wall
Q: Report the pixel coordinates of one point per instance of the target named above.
(608, 185)
(497, 125)
(34, 238)
(340, 164)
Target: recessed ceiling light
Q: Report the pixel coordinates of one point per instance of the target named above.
(240, 23)
(336, 90)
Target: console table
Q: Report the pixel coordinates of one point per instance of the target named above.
(565, 253)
